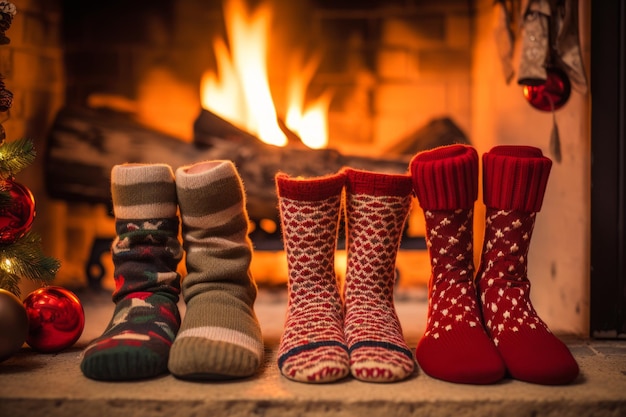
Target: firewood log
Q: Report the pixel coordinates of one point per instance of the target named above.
(84, 144)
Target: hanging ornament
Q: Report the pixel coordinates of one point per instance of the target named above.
(6, 98)
(13, 324)
(7, 11)
(551, 95)
(56, 319)
(16, 218)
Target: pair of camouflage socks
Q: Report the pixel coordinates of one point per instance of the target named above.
(479, 327)
(220, 336)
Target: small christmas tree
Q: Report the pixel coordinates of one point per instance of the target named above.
(21, 254)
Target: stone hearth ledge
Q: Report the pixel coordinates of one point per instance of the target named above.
(52, 385)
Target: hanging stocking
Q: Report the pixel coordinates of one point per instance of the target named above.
(535, 47)
(567, 48)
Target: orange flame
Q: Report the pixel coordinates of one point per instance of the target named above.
(242, 95)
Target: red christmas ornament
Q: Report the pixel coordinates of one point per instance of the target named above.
(56, 319)
(551, 95)
(16, 218)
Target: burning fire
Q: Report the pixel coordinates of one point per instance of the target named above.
(241, 93)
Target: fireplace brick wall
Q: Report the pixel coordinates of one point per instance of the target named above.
(411, 64)
(393, 66)
(380, 58)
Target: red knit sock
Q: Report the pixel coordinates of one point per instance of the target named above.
(515, 179)
(312, 347)
(455, 346)
(377, 206)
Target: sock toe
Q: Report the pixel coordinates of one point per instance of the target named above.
(479, 365)
(547, 363)
(196, 358)
(133, 363)
(375, 364)
(316, 365)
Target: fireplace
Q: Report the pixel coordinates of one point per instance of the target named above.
(347, 68)
(395, 71)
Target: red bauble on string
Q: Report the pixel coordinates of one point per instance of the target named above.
(16, 218)
(551, 95)
(56, 319)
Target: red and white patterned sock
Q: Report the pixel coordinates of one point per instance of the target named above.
(515, 179)
(455, 346)
(377, 206)
(312, 347)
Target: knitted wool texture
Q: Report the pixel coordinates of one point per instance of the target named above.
(455, 346)
(515, 180)
(312, 347)
(220, 336)
(145, 253)
(377, 206)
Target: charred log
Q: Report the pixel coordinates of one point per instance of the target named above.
(84, 145)
(437, 132)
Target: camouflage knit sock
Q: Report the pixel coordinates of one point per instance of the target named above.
(312, 347)
(377, 206)
(145, 254)
(220, 337)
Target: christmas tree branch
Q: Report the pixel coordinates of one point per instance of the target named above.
(24, 258)
(10, 282)
(15, 156)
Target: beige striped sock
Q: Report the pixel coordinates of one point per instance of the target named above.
(220, 336)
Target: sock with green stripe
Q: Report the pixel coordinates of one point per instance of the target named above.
(145, 254)
(377, 206)
(220, 337)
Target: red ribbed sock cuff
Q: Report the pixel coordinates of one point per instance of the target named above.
(377, 184)
(446, 178)
(515, 178)
(309, 189)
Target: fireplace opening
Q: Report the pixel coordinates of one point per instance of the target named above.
(303, 88)
(399, 76)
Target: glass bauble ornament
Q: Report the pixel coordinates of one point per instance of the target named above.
(551, 95)
(16, 218)
(13, 324)
(56, 319)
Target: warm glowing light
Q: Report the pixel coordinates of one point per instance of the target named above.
(8, 265)
(242, 95)
(309, 124)
(223, 96)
